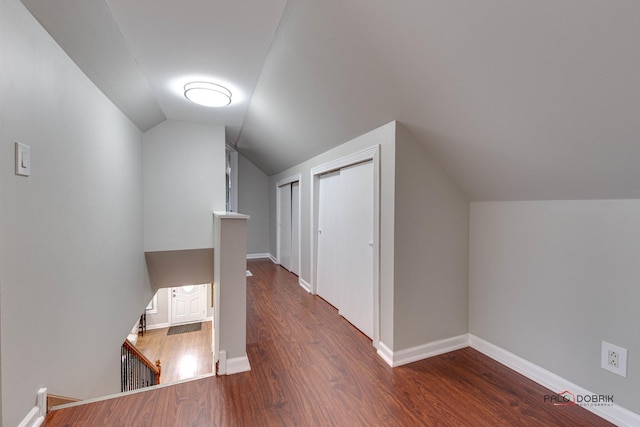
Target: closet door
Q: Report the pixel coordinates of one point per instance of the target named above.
(356, 246)
(295, 227)
(328, 277)
(284, 226)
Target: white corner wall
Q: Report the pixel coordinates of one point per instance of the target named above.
(230, 290)
(71, 244)
(184, 180)
(161, 317)
(253, 200)
(431, 250)
(550, 280)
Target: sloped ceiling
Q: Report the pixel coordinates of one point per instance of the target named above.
(515, 100)
(141, 53)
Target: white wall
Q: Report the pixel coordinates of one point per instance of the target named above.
(230, 288)
(385, 137)
(184, 180)
(71, 243)
(550, 280)
(253, 200)
(431, 250)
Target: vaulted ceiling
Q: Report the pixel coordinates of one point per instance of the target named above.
(515, 100)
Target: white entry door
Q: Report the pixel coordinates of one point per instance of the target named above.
(188, 304)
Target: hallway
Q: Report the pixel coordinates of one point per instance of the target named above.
(310, 367)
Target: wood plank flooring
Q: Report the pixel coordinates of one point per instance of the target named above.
(310, 368)
(183, 356)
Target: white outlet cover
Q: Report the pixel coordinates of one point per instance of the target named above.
(622, 359)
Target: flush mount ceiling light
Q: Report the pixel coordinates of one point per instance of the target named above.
(207, 94)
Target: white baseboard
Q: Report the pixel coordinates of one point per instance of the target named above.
(420, 352)
(36, 415)
(258, 256)
(33, 418)
(222, 362)
(158, 326)
(238, 364)
(232, 366)
(273, 259)
(128, 393)
(305, 285)
(615, 414)
(385, 353)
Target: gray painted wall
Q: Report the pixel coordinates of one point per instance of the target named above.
(71, 240)
(184, 178)
(383, 136)
(230, 290)
(431, 250)
(162, 315)
(1, 345)
(253, 200)
(550, 280)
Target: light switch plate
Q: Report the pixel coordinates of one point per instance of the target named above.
(23, 159)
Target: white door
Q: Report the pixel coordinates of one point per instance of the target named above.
(295, 228)
(356, 246)
(288, 226)
(188, 304)
(284, 226)
(327, 276)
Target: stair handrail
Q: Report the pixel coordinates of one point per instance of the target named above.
(155, 369)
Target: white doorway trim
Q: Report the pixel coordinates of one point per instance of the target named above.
(372, 153)
(280, 183)
(233, 194)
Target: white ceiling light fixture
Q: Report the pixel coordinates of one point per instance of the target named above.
(207, 94)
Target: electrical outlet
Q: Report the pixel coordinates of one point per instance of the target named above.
(614, 359)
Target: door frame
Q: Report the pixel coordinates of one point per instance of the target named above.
(373, 154)
(232, 204)
(280, 183)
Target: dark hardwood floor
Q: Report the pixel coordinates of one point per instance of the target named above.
(312, 368)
